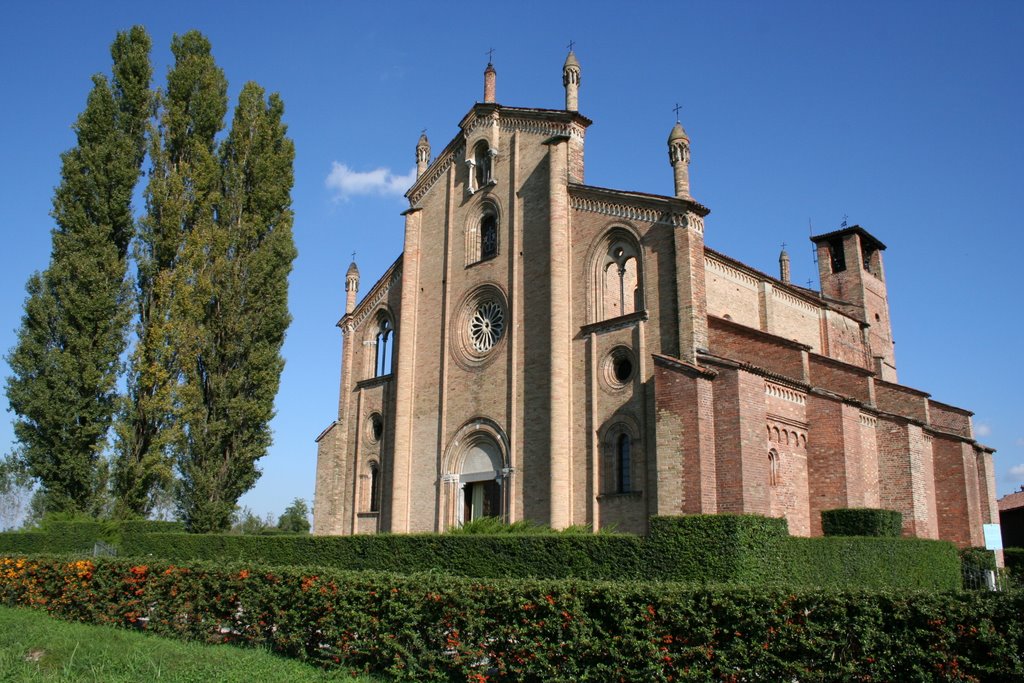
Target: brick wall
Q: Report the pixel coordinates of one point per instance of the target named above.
(686, 447)
(741, 447)
(900, 400)
(906, 475)
(762, 350)
(841, 378)
(956, 491)
(950, 418)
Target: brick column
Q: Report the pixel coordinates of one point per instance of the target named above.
(691, 286)
(405, 345)
(560, 408)
(685, 447)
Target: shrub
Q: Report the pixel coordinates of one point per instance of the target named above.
(1013, 558)
(861, 522)
(431, 627)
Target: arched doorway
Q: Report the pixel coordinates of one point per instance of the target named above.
(481, 481)
(477, 478)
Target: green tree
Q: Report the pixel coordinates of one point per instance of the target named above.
(183, 189)
(295, 519)
(238, 267)
(66, 359)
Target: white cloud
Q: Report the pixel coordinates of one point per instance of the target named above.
(348, 183)
(982, 429)
(1017, 472)
(1019, 442)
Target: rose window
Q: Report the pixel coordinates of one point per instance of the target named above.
(486, 326)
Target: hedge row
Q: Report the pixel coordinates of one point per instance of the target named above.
(551, 556)
(704, 549)
(78, 536)
(430, 627)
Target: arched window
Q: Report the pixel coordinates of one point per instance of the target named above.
(623, 464)
(481, 164)
(773, 467)
(619, 281)
(374, 487)
(382, 362)
(488, 236)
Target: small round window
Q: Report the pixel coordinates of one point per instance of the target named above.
(618, 367)
(374, 428)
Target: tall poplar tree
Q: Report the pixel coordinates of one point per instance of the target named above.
(66, 360)
(239, 266)
(183, 188)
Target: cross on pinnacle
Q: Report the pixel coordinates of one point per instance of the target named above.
(571, 44)
(353, 257)
(490, 55)
(676, 110)
(783, 246)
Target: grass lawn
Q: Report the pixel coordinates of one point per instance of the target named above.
(37, 647)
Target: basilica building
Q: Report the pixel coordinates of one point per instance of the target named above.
(549, 350)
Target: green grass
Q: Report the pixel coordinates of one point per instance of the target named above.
(37, 647)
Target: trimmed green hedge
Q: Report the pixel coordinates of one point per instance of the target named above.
(714, 548)
(850, 562)
(430, 627)
(77, 537)
(862, 522)
(601, 556)
(697, 549)
(134, 527)
(29, 543)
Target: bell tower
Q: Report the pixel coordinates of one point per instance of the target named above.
(851, 272)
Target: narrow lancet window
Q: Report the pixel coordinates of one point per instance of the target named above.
(382, 364)
(374, 487)
(622, 463)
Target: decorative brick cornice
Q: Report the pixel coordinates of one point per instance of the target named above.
(785, 393)
(712, 262)
(634, 212)
(569, 129)
(799, 302)
(434, 173)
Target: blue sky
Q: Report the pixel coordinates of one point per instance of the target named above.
(903, 117)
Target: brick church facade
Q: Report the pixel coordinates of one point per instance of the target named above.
(549, 350)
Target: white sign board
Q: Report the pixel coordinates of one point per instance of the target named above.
(993, 537)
